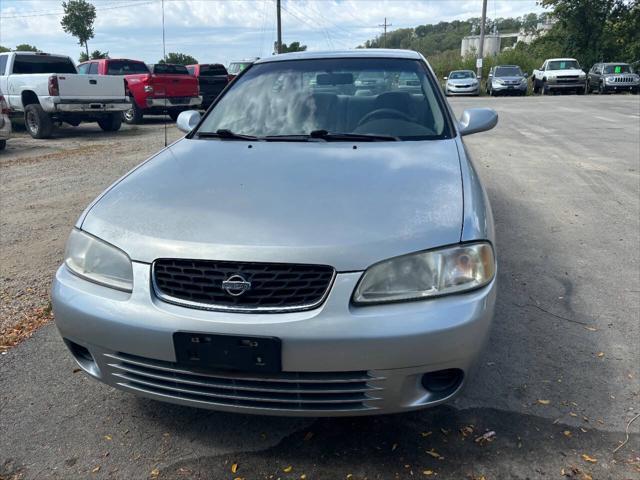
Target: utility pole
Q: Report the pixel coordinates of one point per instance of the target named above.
(279, 42)
(481, 49)
(385, 25)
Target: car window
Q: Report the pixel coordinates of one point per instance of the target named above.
(237, 67)
(170, 69)
(26, 64)
(212, 70)
(622, 68)
(508, 72)
(83, 69)
(93, 68)
(125, 67)
(563, 65)
(460, 75)
(191, 70)
(299, 96)
(3, 63)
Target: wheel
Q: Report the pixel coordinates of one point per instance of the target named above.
(580, 91)
(37, 121)
(111, 122)
(544, 90)
(3, 144)
(134, 115)
(536, 88)
(601, 89)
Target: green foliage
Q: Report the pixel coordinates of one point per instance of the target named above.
(95, 55)
(25, 47)
(293, 47)
(78, 19)
(4, 49)
(179, 59)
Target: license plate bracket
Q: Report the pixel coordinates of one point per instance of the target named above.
(228, 352)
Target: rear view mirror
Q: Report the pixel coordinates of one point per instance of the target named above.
(476, 120)
(188, 120)
(334, 79)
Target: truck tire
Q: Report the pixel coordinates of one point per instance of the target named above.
(3, 144)
(543, 88)
(536, 88)
(111, 122)
(37, 121)
(134, 115)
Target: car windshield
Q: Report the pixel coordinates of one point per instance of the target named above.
(563, 65)
(462, 75)
(167, 68)
(617, 69)
(295, 98)
(508, 72)
(125, 67)
(43, 64)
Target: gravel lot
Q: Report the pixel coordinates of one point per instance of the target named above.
(558, 383)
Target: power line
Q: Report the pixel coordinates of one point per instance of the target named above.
(385, 25)
(45, 14)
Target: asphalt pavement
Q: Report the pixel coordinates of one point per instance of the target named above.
(553, 394)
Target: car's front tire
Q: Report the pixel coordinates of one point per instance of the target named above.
(37, 121)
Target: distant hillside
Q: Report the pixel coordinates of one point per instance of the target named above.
(433, 39)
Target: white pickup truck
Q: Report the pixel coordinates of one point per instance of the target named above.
(45, 89)
(557, 74)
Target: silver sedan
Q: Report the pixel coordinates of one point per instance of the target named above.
(462, 82)
(303, 250)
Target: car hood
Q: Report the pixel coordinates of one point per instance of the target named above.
(515, 78)
(568, 71)
(319, 202)
(461, 81)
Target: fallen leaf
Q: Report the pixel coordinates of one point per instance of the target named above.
(155, 472)
(76, 370)
(589, 459)
(573, 414)
(95, 469)
(591, 329)
(107, 437)
(486, 437)
(444, 432)
(394, 446)
(303, 477)
(434, 454)
(349, 476)
(287, 469)
(544, 402)
(427, 472)
(234, 468)
(308, 436)
(567, 433)
(425, 434)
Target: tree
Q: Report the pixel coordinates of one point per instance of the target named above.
(293, 47)
(25, 47)
(95, 55)
(4, 49)
(78, 19)
(179, 59)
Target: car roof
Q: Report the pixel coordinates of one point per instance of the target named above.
(500, 66)
(455, 71)
(355, 53)
(556, 59)
(614, 63)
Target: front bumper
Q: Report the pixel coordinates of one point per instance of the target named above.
(365, 360)
(621, 86)
(453, 90)
(517, 88)
(566, 86)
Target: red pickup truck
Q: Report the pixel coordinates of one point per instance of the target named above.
(153, 89)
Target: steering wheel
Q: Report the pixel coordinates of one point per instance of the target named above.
(384, 113)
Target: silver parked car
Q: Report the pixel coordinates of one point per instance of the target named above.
(507, 80)
(462, 82)
(296, 253)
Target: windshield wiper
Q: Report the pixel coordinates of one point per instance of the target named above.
(225, 134)
(346, 137)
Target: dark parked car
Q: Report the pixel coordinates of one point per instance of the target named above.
(612, 77)
(507, 79)
(212, 78)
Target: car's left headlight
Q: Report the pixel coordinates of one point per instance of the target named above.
(98, 261)
(427, 274)
(499, 81)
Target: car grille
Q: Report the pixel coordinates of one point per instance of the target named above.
(302, 391)
(273, 286)
(628, 79)
(462, 86)
(566, 78)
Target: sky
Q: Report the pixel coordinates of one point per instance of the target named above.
(220, 31)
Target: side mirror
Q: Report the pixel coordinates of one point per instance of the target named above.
(476, 120)
(187, 120)
(445, 78)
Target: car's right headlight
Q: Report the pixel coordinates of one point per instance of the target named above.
(427, 274)
(98, 261)
(498, 81)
